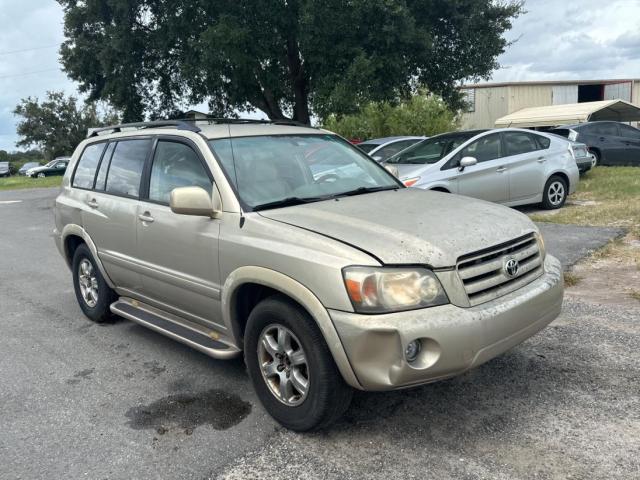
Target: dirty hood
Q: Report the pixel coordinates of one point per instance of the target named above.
(409, 225)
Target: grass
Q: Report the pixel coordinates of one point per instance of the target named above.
(571, 279)
(18, 182)
(615, 192)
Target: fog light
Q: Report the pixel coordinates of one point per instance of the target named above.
(412, 350)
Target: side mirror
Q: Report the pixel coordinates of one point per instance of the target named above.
(195, 201)
(467, 162)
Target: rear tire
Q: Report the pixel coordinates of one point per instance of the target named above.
(555, 193)
(41, 175)
(92, 292)
(326, 396)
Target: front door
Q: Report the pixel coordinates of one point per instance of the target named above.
(179, 253)
(489, 178)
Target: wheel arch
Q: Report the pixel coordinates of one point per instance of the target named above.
(246, 286)
(73, 235)
(563, 175)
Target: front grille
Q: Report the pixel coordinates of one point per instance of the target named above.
(483, 273)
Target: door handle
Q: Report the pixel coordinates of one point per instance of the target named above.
(93, 203)
(541, 159)
(146, 217)
(501, 169)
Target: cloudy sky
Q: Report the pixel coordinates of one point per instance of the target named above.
(555, 39)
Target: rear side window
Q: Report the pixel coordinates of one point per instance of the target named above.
(605, 129)
(101, 179)
(125, 170)
(86, 169)
(517, 143)
(629, 132)
(176, 165)
(544, 142)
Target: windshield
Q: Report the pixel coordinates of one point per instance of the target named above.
(279, 170)
(51, 163)
(431, 150)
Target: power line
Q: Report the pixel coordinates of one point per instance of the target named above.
(29, 49)
(28, 73)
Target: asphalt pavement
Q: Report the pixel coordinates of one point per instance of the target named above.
(80, 400)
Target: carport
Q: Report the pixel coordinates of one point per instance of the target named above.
(553, 115)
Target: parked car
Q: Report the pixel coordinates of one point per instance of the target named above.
(27, 166)
(610, 143)
(584, 159)
(220, 237)
(508, 166)
(55, 167)
(5, 169)
(382, 148)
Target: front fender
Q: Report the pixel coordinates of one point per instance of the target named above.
(298, 292)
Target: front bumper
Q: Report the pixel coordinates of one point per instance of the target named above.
(454, 339)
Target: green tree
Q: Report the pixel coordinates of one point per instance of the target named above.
(422, 114)
(287, 58)
(57, 124)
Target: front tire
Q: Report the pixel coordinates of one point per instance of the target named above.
(41, 175)
(291, 367)
(555, 193)
(92, 292)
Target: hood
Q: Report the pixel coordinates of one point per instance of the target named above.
(37, 169)
(410, 226)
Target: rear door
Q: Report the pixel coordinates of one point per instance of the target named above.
(525, 159)
(489, 178)
(112, 204)
(631, 139)
(179, 253)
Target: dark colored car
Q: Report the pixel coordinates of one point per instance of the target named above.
(610, 143)
(5, 169)
(27, 166)
(55, 167)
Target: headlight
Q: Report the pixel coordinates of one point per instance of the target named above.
(543, 250)
(410, 182)
(381, 289)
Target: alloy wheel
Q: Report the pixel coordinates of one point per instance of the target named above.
(283, 364)
(88, 283)
(555, 193)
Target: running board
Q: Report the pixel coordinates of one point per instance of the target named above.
(197, 337)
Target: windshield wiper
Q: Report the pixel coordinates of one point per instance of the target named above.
(287, 202)
(361, 190)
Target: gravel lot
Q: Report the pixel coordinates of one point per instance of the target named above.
(120, 401)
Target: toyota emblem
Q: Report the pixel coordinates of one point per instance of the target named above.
(511, 267)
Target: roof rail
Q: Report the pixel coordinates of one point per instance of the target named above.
(223, 120)
(179, 124)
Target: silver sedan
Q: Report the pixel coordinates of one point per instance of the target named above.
(508, 166)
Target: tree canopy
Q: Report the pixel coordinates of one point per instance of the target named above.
(422, 114)
(57, 124)
(287, 58)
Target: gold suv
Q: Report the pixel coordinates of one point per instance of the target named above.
(288, 244)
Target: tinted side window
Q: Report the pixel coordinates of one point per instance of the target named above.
(484, 149)
(544, 142)
(101, 179)
(126, 167)
(629, 132)
(86, 169)
(517, 143)
(175, 165)
(605, 129)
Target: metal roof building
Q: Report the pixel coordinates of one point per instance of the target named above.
(491, 101)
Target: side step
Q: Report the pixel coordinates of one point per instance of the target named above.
(196, 336)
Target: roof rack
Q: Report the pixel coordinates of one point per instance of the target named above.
(179, 124)
(190, 124)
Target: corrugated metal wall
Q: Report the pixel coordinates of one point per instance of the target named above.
(614, 91)
(562, 94)
(490, 104)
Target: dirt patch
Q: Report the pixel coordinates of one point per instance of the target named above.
(609, 276)
(185, 412)
(81, 375)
